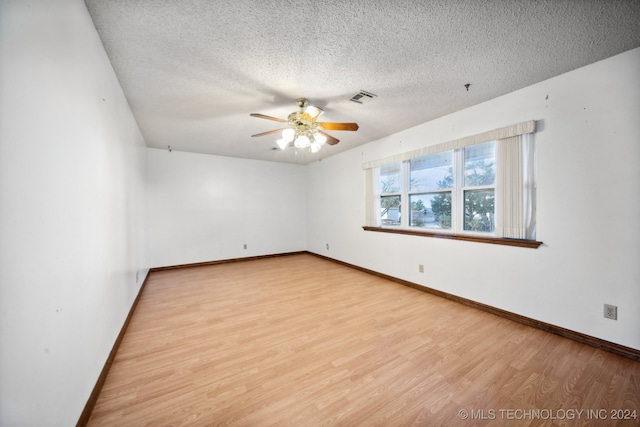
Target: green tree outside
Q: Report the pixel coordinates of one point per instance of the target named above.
(479, 205)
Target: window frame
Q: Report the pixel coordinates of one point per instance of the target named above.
(514, 193)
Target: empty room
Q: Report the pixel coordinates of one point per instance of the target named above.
(319, 213)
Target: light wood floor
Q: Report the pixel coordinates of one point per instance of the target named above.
(302, 341)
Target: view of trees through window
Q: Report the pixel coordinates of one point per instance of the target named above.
(390, 184)
(479, 182)
(431, 190)
(430, 187)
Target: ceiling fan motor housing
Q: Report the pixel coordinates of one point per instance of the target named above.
(302, 122)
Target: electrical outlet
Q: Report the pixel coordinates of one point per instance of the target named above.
(420, 268)
(610, 312)
(137, 276)
(245, 246)
(327, 246)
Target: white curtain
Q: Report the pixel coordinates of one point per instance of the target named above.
(530, 203)
(515, 187)
(372, 199)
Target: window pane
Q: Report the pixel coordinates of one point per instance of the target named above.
(432, 172)
(479, 164)
(390, 178)
(390, 210)
(479, 212)
(430, 210)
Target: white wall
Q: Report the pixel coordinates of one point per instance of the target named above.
(205, 208)
(71, 209)
(75, 177)
(588, 155)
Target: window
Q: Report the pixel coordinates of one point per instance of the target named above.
(438, 195)
(482, 185)
(430, 190)
(479, 187)
(390, 193)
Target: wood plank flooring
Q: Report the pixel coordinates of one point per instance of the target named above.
(302, 341)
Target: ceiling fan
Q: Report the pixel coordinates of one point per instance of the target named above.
(304, 131)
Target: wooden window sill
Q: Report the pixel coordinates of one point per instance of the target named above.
(492, 240)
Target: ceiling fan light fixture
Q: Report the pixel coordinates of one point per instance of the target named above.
(302, 142)
(304, 131)
(313, 112)
(288, 134)
(315, 147)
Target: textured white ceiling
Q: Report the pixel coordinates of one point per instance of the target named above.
(193, 70)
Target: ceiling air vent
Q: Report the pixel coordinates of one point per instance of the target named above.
(362, 97)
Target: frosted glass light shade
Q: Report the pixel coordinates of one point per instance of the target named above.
(282, 143)
(302, 142)
(320, 138)
(288, 134)
(313, 112)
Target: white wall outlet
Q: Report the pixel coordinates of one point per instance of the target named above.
(420, 268)
(245, 246)
(327, 246)
(610, 312)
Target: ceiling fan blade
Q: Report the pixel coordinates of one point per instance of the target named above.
(338, 126)
(330, 140)
(262, 116)
(269, 132)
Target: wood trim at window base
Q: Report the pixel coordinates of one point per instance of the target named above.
(523, 243)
